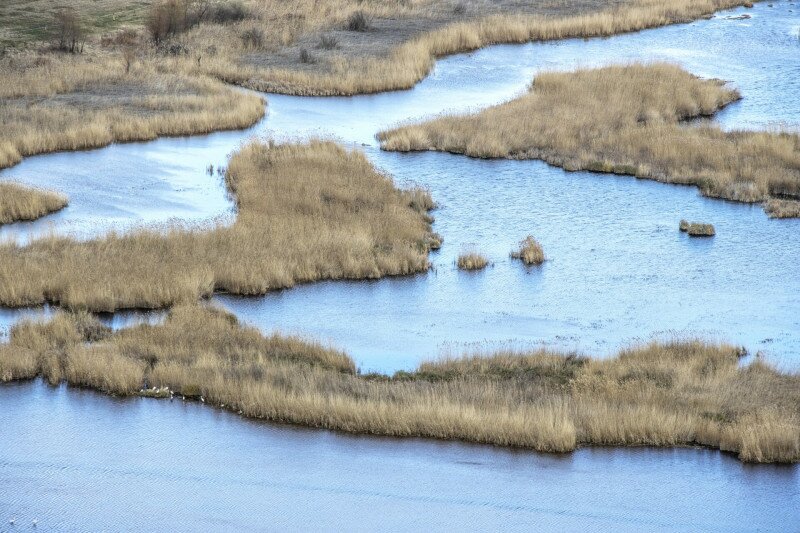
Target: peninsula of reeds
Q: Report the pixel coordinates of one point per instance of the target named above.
(626, 120)
(687, 393)
(19, 203)
(305, 213)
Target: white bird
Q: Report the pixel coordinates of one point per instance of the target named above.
(13, 519)
(35, 522)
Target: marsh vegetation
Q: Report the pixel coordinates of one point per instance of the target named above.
(472, 260)
(530, 251)
(305, 213)
(147, 69)
(626, 120)
(670, 394)
(697, 229)
(20, 203)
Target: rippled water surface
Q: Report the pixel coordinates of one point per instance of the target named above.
(79, 461)
(618, 271)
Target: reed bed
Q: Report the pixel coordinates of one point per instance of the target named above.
(305, 213)
(402, 66)
(53, 101)
(778, 208)
(680, 393)
(626, 120)
(91, 110)
(20, 203)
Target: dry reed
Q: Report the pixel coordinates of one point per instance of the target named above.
(625, 120)
(52, 102)
(305, 213)
(670, 394)
(697, 229)
(95, 109)
(472, 261)
(530, 251)
(349, 73)
(19, 203)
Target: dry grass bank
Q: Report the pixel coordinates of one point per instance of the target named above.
(400, 62)
(305, 213)
(626, 120)
(18, 203)
(47, 110)
(125, 86)
(674, 394)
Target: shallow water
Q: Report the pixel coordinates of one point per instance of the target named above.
(618, 269)
(79, 461)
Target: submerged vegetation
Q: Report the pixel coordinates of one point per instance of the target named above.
(19, 203)
(305, 213)
(671, 394)
(530, 251)
(625, 120)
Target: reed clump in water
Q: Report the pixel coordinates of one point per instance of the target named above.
(530, 251)
(305, 213)
(626, 120)
(697, 229)
(472, 261)
(659, 394)
(19, 203)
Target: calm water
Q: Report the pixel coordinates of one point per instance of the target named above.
(80, 461)
(619, 271)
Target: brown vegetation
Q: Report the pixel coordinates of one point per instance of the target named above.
(18, 203)
(260, 45)
(306, 213)
(625, 120)
(697, 229)
(472, 261)
(777, 208)
(672, 394)
(530, 251)
(46, 110)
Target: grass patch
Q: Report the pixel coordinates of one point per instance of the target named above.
(56, 108)
(670, 394)
(19, 203)
(622, 118)
(778, 208)
(472, 261)
(697, 229)
(256, 45)
(530, 251)
(305, 213)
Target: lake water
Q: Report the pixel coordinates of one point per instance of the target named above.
(80, 461)
(618, 272)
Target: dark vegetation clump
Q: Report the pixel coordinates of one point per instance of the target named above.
(358, 22)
